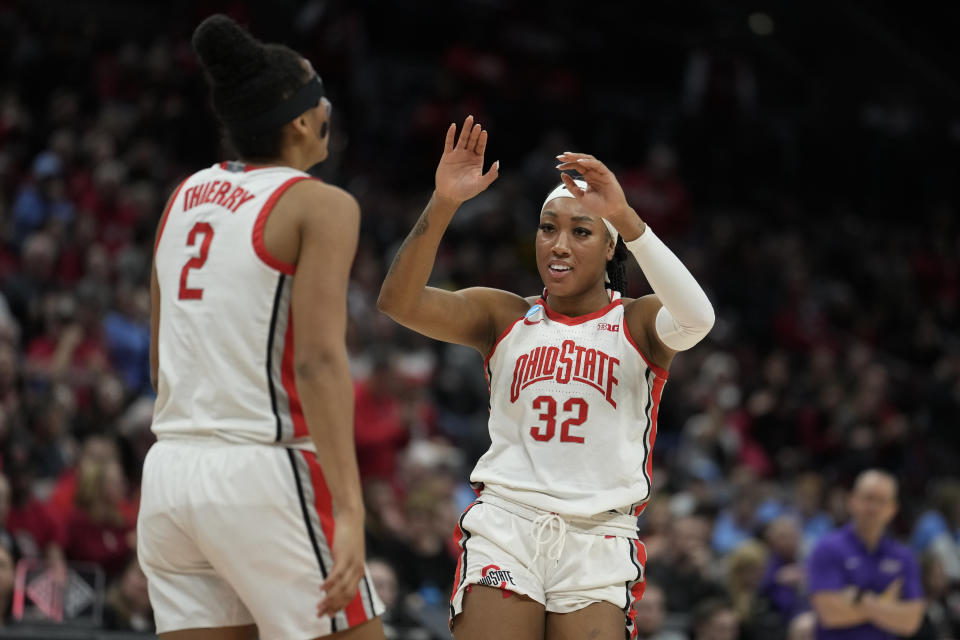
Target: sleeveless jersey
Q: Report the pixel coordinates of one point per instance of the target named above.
(226, 331)
(573, 414)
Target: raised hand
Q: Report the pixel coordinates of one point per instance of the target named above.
(460, 173)
(603, 196)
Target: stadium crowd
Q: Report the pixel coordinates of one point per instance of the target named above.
(826, 236)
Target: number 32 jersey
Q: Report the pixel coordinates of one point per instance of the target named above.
(573, 414)
(226, 331)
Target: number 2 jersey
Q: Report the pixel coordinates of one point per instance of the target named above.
(573, 414)
(226, 331)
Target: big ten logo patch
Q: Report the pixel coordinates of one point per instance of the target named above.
(494, 576)
(606, 326)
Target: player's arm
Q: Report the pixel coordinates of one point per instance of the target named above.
(899, 617)
(679, 314)
(837, 609)
(470, 316)
(155, 298)
(328, 243)
(832, 597)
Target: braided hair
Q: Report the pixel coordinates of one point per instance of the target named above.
(247, 78)
(617, 267)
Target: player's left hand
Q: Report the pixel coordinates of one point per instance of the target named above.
(342, 583)
(603, 196)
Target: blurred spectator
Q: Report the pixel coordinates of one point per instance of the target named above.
(651, 611)
(127, 604)
(97, 530)
(657, 194)
(29, 520)
(397, 622)
(756, 614)
(683, 571)
(938, 529)
(715, 619)
(803, 627)
(941, 619)
(381, 429)
(8, 563)
(863, 584)
(784, 580)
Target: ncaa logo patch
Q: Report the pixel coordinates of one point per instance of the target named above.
(532, 311)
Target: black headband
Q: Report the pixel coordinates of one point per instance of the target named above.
(303, 99)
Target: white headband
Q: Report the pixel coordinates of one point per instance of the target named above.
(562, 192)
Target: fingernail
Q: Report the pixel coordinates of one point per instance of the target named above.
(560, 155)
(498, 165)
(580, 159)
(559, 165)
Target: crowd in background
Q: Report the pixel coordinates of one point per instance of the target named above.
(811, 197)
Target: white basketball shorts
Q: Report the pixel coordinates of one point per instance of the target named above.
(576, 566)
(234, 534)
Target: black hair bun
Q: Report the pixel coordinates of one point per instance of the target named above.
(229, 54)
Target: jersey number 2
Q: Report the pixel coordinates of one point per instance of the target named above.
(546, 432)
(196, 262)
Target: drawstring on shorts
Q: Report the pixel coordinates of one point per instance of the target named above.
(551, 531)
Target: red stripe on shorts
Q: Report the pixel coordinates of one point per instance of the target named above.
(458, 539)
(636, 591)
(323, 503)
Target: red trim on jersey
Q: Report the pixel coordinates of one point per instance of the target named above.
(655, 395)
(636, 592)
(486, 361)
(289, 381)
(323, 503)
(567, 320)
(166, 213)
(660, 371)
(258, 244)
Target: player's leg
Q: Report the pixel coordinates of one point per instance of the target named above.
(278, 566)
(189, 598)
(370, 630)
(598, 621)
(489, 612)
(246, 632)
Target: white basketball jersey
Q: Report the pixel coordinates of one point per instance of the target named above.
(573, 414)
(226, 332)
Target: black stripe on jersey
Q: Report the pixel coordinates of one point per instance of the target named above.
(366, 587)
(651, 376)
(306, 520)
(270, 339)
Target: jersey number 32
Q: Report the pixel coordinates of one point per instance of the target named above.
(548, 404)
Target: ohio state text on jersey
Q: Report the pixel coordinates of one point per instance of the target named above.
(573, 414)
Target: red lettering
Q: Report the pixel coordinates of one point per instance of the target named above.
(517, 378)
(566, 364)
(580, 350)
(187, 196)
(611, 381)
(550, 361)
(531, 371)
(244, 197)
(601, 366)
(222, 193)
(590, 364)
(230, 200)
(208, 189)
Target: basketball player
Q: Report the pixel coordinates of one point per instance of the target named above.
(550, 548)
(251, 511)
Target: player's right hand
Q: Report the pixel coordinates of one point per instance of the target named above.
(342, 583)
(460, 173)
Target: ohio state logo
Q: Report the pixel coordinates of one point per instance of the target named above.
(494, 576)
